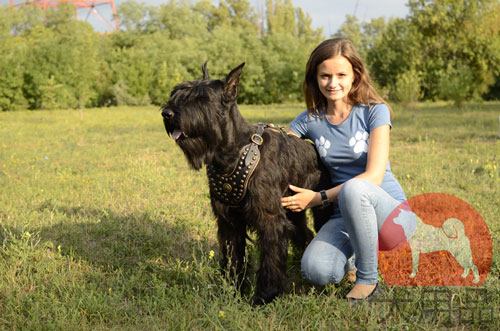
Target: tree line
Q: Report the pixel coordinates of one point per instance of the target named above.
(444, 49)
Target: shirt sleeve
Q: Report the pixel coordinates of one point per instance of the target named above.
(379, 114)
(299, 125)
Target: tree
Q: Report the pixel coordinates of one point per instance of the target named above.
(457, 37)
(352, 29)
(305, 30)
(133, 15)
(49, 60)
(13, 52)
(242, 14)
(394, 60)
(280, 17)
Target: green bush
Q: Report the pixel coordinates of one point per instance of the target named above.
(456, 83)
(49, 60)
(406, 90)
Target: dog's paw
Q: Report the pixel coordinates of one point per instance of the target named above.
(322, 145)
(359, 142)
(476, 279)
(475, 273)
(258, 301)
(413, 274)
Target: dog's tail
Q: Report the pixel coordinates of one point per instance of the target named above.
(453, 228)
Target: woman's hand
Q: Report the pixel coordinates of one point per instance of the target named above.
(300, 201)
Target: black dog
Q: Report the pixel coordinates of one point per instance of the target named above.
(249, 170)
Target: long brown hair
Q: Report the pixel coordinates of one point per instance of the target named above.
(362, 90)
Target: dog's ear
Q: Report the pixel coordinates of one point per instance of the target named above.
(231, 84)
(205, 71)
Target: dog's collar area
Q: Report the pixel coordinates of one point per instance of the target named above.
(231, 188)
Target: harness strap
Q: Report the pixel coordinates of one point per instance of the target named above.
(231, 188)
(279, 129)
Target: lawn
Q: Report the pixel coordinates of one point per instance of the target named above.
(104, 226)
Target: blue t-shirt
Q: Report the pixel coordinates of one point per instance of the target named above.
(343, 147)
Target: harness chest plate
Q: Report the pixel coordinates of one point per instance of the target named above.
(231, 188)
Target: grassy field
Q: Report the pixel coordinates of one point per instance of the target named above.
(104, 226)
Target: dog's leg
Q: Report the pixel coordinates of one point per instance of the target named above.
(466, 272)
(273, 242)
(301, 235)
(415, 255)
(232, 243)
(476, 274)
(468, 265)
(321, 216)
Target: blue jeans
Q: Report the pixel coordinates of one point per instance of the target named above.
(364, 207)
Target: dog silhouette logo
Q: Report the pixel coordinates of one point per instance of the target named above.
(450, 237)
(449, 245)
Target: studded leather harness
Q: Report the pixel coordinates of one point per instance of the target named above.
(231, 188)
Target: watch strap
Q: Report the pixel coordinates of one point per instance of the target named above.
(324, 198)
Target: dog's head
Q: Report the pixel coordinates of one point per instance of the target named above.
(196, 115)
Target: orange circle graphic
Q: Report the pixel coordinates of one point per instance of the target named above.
(451, 245)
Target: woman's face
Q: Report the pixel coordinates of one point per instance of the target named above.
(335, 77)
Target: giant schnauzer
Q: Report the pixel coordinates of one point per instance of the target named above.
(249, 169)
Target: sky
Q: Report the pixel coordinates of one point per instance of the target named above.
(328, 14)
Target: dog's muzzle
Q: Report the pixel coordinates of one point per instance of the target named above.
(170, 126)
(168, 115)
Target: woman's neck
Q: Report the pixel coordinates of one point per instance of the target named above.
(339, 109)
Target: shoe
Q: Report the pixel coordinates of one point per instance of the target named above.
(376, 291)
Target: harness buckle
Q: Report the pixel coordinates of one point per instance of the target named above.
(257, 139)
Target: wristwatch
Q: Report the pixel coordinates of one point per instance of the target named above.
(324, 198)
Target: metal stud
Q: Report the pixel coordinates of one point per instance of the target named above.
(227, 187)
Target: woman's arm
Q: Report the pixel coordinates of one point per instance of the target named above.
(378, 155)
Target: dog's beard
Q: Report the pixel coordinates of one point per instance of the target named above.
(198, 146)
(196, 150)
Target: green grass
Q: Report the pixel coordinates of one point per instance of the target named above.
(104, 226)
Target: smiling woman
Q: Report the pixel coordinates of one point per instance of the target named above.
(350, 125)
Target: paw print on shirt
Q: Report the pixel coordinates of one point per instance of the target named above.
(322, 145)
(359, 142)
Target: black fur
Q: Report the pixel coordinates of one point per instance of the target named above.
(213, 132)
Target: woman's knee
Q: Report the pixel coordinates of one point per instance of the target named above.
(314, 273)
(322, 272)
(352, 189)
